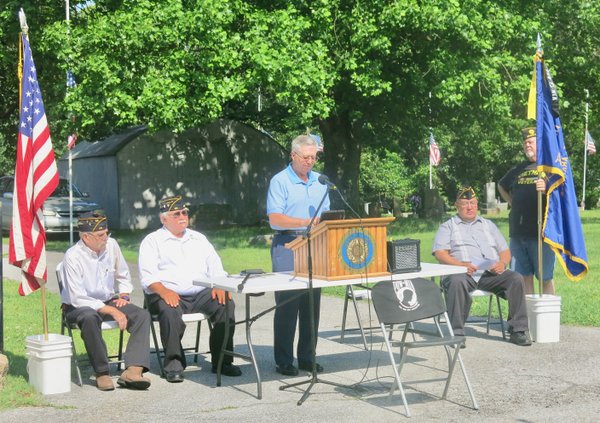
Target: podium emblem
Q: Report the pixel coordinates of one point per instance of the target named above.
(357, 250)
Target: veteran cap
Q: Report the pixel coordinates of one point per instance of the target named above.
(171, 204)
(465, 193)
(528, 132)
(92, 222)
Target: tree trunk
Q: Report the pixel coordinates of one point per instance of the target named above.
(342, 159)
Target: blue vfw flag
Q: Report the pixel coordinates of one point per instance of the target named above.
(561, 225)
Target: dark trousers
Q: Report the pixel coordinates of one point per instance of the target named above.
(508, 285)
(88, 320)
(296, 311)
(172, 327)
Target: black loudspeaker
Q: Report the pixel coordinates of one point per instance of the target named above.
(404, 255)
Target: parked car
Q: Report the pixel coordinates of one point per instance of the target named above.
(56, 207)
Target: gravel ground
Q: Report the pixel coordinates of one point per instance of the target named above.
(548, 382)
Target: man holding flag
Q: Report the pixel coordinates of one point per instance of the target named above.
(519, 188)
(560, 222)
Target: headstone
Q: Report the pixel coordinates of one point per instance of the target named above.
(3, 370)
(433, 206)
(491, 205)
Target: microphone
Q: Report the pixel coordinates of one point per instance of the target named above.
(325, 181)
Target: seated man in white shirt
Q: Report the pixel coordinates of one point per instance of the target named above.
(97, 285)
(170, 259)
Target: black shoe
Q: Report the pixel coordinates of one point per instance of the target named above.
(287, 370)
(308, 367)
(174, 377)
(228, 370)
(520, 338)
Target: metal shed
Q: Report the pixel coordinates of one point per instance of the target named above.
(222, 169)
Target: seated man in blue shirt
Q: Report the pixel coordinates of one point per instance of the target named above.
(474, 242)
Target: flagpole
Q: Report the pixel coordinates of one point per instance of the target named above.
(585, 146)
(70, 197)
(538, 54)
(430, 180)
(68, 20)
(540, 243)
(430, 132)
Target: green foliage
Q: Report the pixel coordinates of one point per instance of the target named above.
(383, 175)
(360, 72)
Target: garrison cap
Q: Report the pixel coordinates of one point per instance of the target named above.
(92, 222)
(465, 193)
(528, 132)
(171, 204)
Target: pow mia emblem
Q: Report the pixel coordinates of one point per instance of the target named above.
(406, 294)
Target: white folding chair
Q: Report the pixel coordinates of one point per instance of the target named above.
(188, 351)
(478, 293)
(405, 302)
(106, 325)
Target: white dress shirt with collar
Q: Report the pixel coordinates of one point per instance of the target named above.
(177, 262)
(90, 279)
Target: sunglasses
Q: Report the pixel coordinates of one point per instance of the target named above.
(179, 213)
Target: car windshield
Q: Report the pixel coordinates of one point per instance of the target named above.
(63, 190)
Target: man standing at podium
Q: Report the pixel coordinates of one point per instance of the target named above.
(292, 201)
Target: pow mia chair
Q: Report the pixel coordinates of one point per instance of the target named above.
(405, 302)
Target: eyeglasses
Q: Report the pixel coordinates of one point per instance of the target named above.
(307, 159)
(99, 235)
(472, 203)
(179, 213)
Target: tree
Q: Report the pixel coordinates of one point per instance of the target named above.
(40, 14)
(358, 71)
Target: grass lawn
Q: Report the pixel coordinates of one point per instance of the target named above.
(237, 253)
(579, 299)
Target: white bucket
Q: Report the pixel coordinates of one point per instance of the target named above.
(49, 363)
(544, 317)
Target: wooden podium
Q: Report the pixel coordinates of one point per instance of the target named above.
(344, 249)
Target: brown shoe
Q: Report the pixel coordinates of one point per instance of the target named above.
(132, 378)
(104, 382)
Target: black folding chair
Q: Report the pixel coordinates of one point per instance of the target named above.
(405, 302)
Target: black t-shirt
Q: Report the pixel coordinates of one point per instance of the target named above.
(520, 183)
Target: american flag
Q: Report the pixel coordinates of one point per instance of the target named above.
(590, 145)
(319, 142)
(434, 152)
(71, 139)
(36, 177)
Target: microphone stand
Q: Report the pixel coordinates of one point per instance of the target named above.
(311, 303)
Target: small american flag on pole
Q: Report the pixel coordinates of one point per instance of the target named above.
(434, 152)
(71, 139)
(590, 145)
(36, 177)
